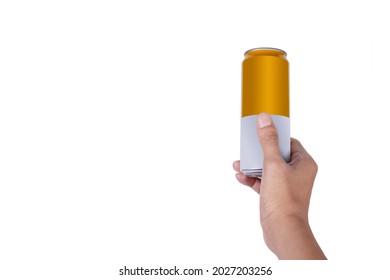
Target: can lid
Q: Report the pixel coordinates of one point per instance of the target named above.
(275, 50)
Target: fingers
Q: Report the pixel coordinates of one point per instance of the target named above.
(236, 166)
(251, 182)
(298, 151)
(268, 137)
(296, 146)
(300, 155)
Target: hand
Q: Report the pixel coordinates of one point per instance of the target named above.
(285, 190)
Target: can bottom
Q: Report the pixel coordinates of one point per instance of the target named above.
(252, 172)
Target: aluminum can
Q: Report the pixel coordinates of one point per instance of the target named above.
(265, 88)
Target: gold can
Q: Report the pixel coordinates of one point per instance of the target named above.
(265, 88)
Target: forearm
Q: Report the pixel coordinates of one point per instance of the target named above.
(291, 238)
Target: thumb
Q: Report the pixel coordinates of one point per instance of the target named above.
(268, 137)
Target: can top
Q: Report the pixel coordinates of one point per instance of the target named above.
(265, 83)
(265, 51)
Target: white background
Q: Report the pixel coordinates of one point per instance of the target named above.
(119, 122)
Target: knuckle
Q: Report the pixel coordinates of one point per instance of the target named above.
(274, 166)
(295, 141)
(312, 165)
(315, 166)
(270, 136)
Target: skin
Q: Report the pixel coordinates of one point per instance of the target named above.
(285, 191)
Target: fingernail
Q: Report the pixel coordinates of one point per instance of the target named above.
(264, 120)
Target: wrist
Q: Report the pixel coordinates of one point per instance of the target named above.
(290, 237)
(278, 230)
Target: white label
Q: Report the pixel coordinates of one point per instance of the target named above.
(251, 153)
